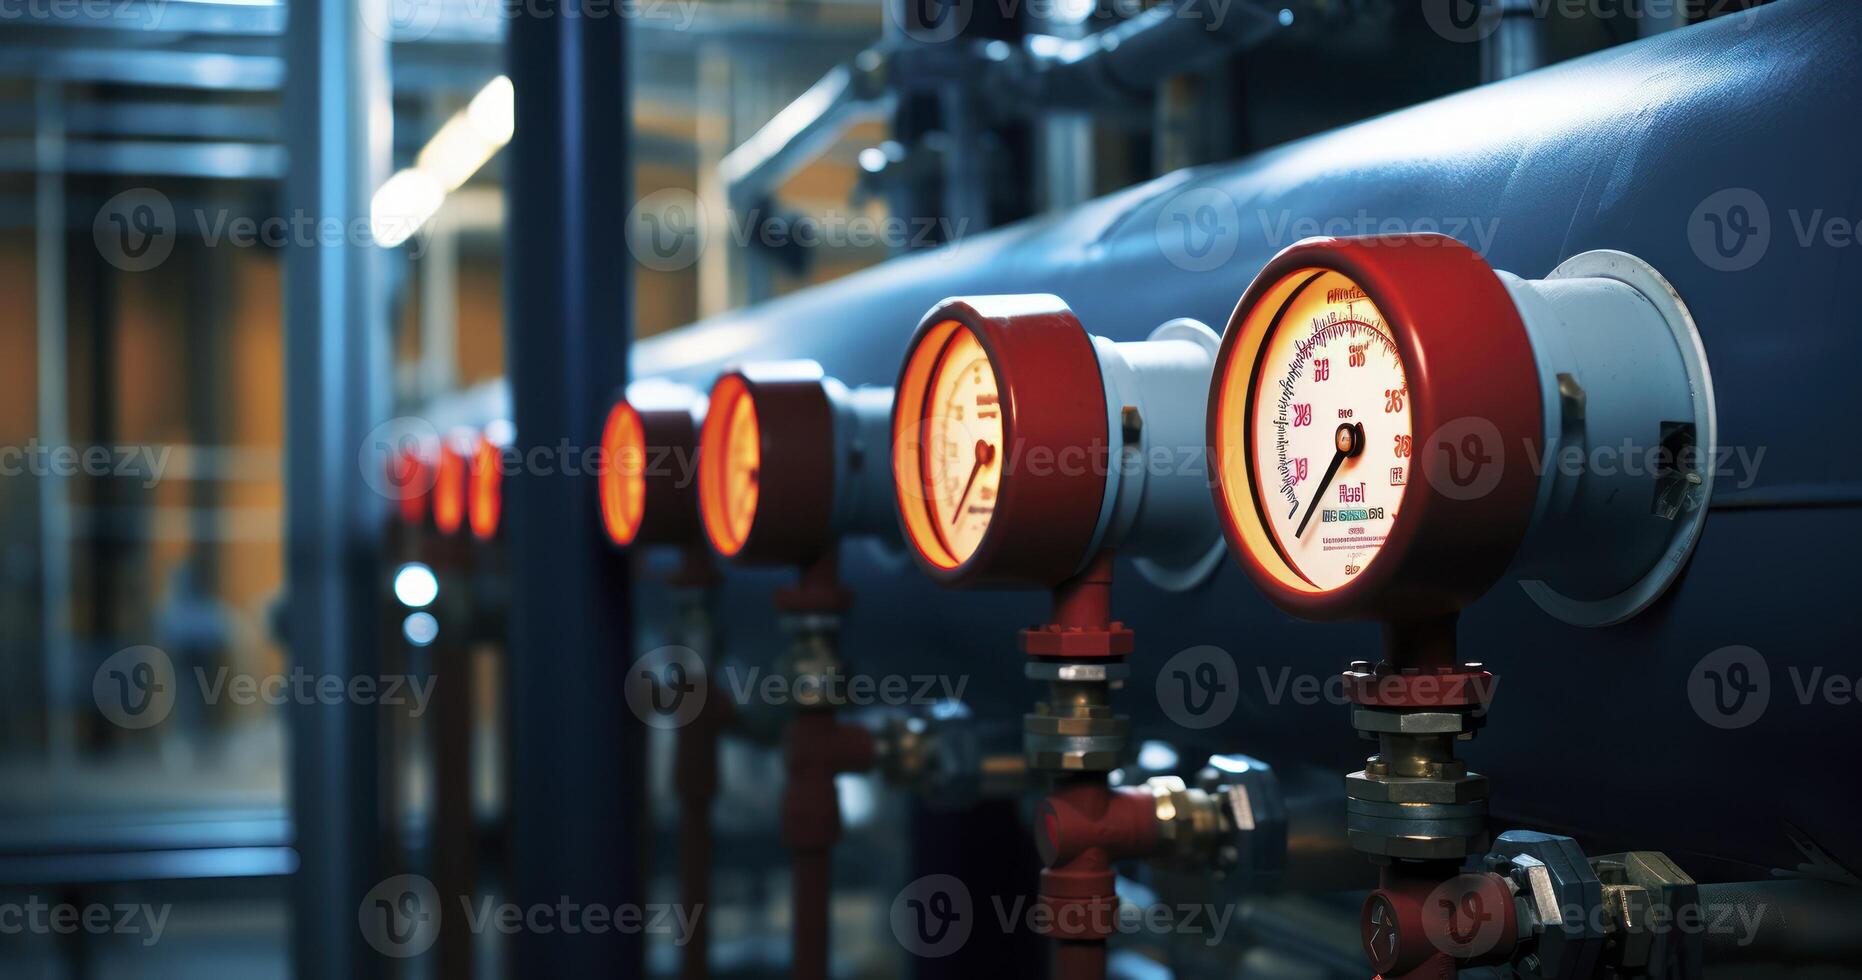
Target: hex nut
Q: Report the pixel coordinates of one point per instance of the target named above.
(1409, 722)
(1468, 788)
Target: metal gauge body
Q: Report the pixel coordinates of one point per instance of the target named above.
(1023, 446)
(648, 481)
(790, 461)
(1387, 415)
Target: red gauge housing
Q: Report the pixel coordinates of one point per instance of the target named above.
(649, 494)
(410, 476)
(766, 466)
(492, 459)
(1471, 374)
(449, 485)
(1053, 453)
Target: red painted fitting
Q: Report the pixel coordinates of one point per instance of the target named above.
(818, 749)
(695, 781)
(1427, 920)
(1081, 625)
(1084, 827)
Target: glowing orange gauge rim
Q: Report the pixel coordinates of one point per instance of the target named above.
(408, 474)
(1234, 434)
(623, 477)
(449, 490)
(486, 502)
(911, 465)
(730, 437)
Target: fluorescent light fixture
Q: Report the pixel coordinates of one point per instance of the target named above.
(466, 142)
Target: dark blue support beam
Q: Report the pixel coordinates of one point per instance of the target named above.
(577, 765)
(336, 386)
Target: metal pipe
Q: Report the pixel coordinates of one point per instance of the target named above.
(1619, 149)
(1781, 923)
(335, 342)
(577, 820)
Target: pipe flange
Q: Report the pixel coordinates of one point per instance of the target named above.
(1372, 721)
(1466, 788)
(1418, 831)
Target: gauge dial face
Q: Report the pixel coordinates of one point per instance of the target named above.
(962, 445)
(1322, 409)
(623, 477)
(735, 447)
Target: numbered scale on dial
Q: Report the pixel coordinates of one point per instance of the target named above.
(1382, 411)
(1330, 411)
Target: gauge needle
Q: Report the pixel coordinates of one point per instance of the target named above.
(984, 454)
(1349, 440)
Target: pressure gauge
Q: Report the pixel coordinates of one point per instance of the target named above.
(649, 453)
(1023, 446)
(493, 458)
(410, 475)
(1393, 425)
(449, 484)
(791, 460)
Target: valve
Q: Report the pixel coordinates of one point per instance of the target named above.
(1231, 822)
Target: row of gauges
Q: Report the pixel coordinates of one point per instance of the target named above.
(1387, 426)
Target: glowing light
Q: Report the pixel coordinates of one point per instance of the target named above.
(420, 628)
(465, 143)
(1157, 756)
(415, 585)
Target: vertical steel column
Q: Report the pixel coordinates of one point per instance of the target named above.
(577, 780)
(336, 363)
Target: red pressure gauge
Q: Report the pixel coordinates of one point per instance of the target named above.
(1384, 410)
(493, 458)
(1023, 446)
(648, 483)
(789, 461)
(410, 475)
(449, 485)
